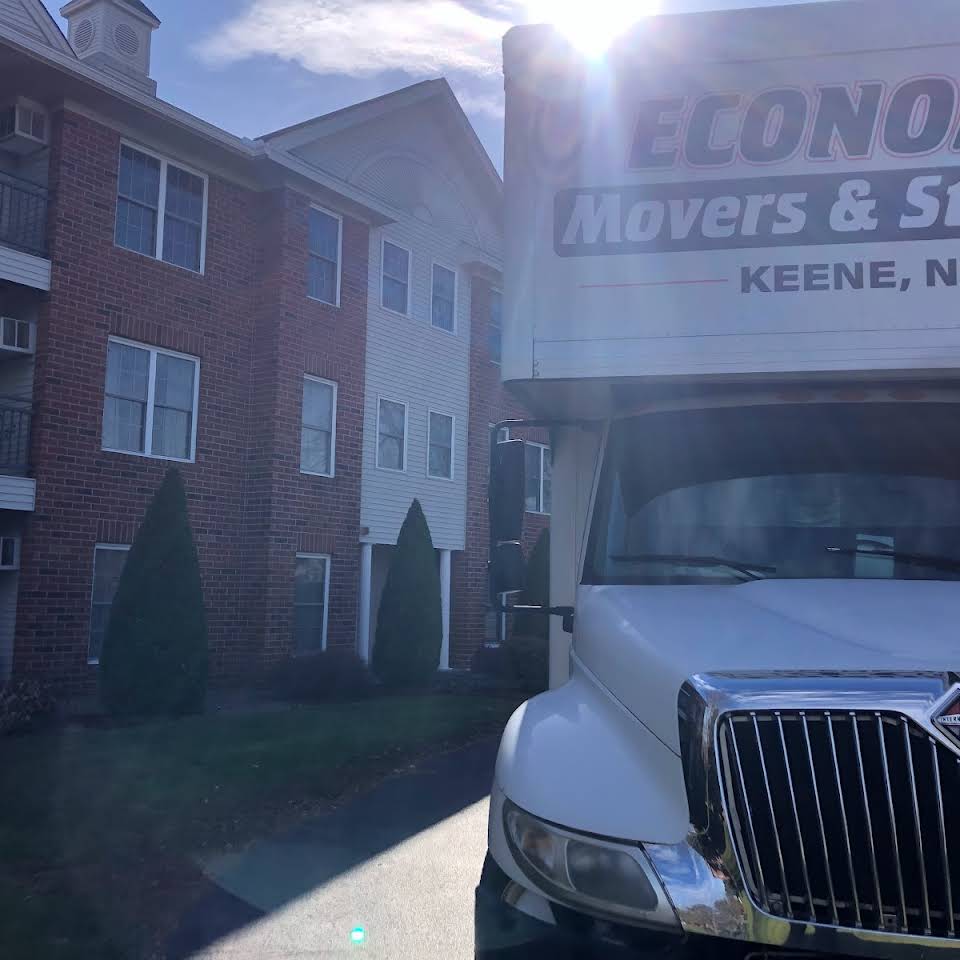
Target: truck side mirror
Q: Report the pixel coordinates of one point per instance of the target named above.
(507, 504)
(508, 570)
(507, 491)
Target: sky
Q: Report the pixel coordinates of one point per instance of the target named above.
(253, 66)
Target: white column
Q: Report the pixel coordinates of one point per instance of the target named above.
(445, 608)
(363, 613)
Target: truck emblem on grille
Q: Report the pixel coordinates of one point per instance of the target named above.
(949, 719)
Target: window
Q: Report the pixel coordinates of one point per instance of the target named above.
(440, 446)
(161, 209)
(443, 303)
(392, 435)
(323, 281)
(310, 595)
(15, 333)
(539, 464)
(108, 563)
(395, 293)
(318, 430)
(794, 491)
(495, 326)
(150, 401)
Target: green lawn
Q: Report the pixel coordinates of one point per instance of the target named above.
(97, 825)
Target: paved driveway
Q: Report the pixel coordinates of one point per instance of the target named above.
(400, 861)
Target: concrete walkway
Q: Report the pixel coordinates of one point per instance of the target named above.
(400, 861)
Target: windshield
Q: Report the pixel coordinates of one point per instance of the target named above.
(858, 491)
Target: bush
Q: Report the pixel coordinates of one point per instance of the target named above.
(330, 675)
(490, 662)
(406, 651)
(537, 592)
(25, 704)
(528, 661)
(522, 663)
(154, 658)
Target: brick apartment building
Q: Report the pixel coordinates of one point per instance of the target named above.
(307, 324)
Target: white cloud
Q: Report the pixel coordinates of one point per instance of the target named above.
(365, 37)
(474, 102)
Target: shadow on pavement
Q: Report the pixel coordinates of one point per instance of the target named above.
(248, 886)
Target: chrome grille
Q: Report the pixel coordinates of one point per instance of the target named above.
(844, 818)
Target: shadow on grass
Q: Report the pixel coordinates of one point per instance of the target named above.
(102, 828)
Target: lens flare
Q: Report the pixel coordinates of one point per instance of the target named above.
(591, 25)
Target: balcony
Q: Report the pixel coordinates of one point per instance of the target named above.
(17, 487)
(23, 232)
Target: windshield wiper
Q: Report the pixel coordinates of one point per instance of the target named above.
(916, 559)
(752, 571)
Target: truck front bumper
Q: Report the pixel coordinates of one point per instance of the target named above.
(504, 932)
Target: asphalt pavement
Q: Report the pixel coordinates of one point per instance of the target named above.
(389, 874)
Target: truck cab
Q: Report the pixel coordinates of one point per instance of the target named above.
(719, 295)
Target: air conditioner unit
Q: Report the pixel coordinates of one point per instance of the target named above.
(24, 126)
(9, 553)
(16, 335)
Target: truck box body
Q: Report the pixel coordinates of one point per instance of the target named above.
(731, 287)
(752, 192)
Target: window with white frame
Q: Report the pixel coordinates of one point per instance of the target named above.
(108, 563)
(443, 303)
(495, 326)
(392, 435)
(311, 593)
(323, 281)
(161, 209)
(539, 462)
(395, 288)
(318, 430)
(440, 446)
(150, 401)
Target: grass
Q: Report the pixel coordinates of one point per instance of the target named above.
(98, 824)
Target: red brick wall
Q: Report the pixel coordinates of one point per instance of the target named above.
(489, 403)
(291, 511)
(253, 328)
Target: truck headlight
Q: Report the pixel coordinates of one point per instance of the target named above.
(604, 878)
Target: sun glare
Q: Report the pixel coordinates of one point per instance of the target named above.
(591, 25)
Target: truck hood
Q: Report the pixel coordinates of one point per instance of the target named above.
(643, 642)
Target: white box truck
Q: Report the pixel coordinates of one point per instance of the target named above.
(732, 290)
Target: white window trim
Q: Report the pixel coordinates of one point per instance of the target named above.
(125, 548)
(333, 426)
(406, 435)
(453, 446)
(383, 274)
(456, 297)
(496, 363)
(326, 602)
(161, 207)
(339, 219)
(151, 387)
(543, 448)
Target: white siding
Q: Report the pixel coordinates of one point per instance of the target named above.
(24, 268)
(18, 493)
(354, 155)
(14, 13)
(410, 360)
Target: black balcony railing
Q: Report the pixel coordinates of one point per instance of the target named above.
(15, 439)
(23, 215)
